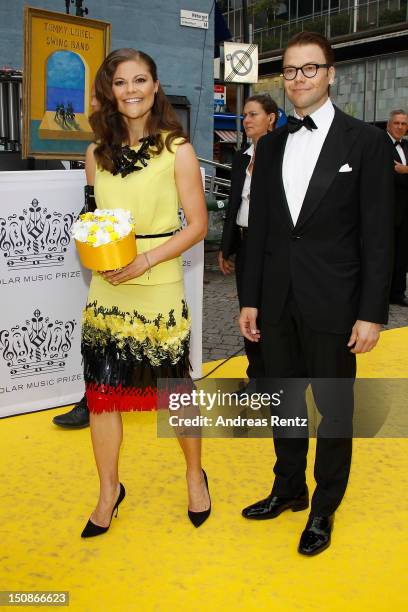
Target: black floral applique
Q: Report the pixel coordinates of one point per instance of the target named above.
(126, 160)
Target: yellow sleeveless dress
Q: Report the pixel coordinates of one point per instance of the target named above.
(138, 331)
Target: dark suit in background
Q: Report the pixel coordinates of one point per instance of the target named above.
(313, 280)
(234, 242)
(399, 277)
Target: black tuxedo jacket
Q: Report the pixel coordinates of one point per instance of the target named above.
(338, 257)
(401, 185)
(230, 234)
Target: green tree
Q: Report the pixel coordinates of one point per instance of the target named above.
(268, 7)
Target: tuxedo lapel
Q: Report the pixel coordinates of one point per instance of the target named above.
(337, 144)
(279, 159)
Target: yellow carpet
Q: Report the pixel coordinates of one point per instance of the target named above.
(153, 559)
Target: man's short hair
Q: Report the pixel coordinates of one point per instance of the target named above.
(398, 111)
(312, 38)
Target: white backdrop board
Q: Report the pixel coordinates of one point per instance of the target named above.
(44, 288)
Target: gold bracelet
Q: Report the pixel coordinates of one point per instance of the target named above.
(149, 269)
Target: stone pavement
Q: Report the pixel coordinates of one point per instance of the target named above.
(221, 337)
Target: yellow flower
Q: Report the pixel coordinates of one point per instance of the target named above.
(113, 236)
(91, 239)
(87, 217)
(93, 228)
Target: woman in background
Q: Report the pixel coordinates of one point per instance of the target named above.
(260, 116)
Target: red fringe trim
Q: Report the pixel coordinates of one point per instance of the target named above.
(106, 398)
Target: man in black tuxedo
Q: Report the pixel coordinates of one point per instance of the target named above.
(397, 127)
(318, 267)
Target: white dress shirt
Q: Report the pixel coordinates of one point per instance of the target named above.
(300, 157)
(243, 212)
(399, 149)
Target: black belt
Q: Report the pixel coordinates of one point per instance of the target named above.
(155, 235)
(243, 231)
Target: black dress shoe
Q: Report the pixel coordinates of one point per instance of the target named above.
(76, 418)
(316, 536)
(273, 506)
(198, 518)
(91, 529)
(403, 301)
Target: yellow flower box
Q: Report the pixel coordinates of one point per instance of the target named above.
(110, 256)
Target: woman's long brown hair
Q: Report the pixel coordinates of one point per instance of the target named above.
(109, 126)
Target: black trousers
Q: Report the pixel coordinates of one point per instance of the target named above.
(399, 274)
(291, 349)
(252, 349)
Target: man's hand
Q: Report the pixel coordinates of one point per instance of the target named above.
(226, 265)
(247, 324)
(400, 168)
(364, 336)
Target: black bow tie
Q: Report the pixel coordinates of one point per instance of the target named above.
(398, 142)
(295, 124)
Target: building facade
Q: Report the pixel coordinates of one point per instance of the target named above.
(369, 37)
(184, 55)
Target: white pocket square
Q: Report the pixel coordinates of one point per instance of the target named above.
(346, 168)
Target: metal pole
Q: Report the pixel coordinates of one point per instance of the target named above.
(328, 20)
(250, 40)
(238, 115)
(245, 88)
(355, 16)
(375, 90)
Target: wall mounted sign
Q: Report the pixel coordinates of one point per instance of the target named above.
(193, 19)
(241, 63)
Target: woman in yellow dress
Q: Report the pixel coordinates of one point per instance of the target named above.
(136, 324)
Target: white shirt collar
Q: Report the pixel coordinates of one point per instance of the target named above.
(323, 116)
(250, 150)
(394, 140)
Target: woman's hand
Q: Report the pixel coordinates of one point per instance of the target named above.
(226, 265)
(136, 268)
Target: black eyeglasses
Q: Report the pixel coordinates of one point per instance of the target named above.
(308, 70)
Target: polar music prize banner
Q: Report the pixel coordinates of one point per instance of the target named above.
(44, 289)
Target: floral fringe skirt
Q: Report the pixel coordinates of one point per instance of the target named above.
(131, 336)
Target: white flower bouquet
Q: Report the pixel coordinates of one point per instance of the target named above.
(105, 239)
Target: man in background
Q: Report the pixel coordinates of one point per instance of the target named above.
(397, 128)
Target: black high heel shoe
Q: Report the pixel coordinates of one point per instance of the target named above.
(91, 530)
(198, 518)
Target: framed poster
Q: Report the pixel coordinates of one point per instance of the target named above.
(61, 57)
